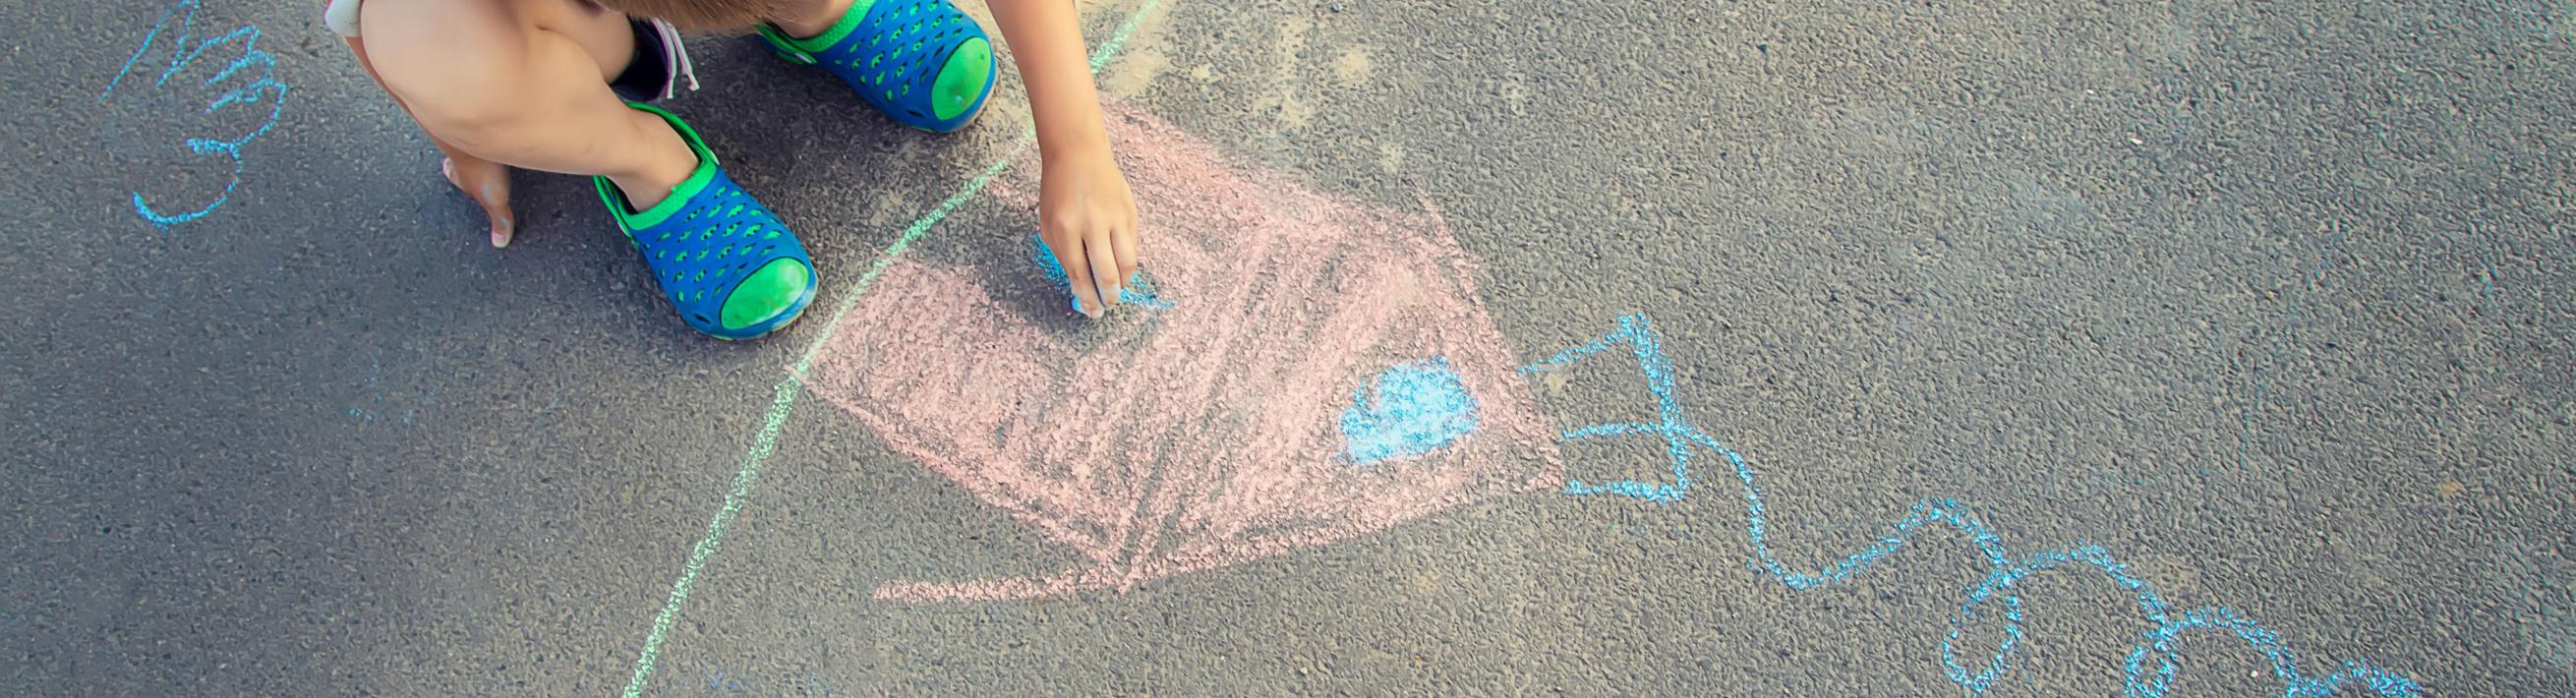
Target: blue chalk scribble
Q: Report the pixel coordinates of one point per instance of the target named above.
(1138, 292)
(720, 682)
(809, 685)
(246, 78)
(1408, 411)
(2152, 663)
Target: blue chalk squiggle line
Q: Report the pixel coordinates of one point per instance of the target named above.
(2003, 568)
(263, 88)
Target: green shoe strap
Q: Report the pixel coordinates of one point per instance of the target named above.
(688, 189)
(803, 50)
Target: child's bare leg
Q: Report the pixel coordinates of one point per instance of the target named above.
(805, 18)
(485, 181)
(524, 83)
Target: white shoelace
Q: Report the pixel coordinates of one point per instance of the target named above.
(675, 60)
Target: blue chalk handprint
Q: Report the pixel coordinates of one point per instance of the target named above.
(183, 107)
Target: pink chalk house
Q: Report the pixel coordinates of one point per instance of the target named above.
(1228, 414)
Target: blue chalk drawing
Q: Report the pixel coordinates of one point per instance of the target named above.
(1677, 434)
(1408, 411)
(808, 685)
(720, 682)
(2152, 663)
(247, 79)
(1138, 292)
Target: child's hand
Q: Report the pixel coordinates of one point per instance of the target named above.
(1085, 214)
(1088, 219)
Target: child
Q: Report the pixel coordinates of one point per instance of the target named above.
(557, 85)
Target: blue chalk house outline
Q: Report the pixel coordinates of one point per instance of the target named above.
(262, 89)
(2152, 663)
(1677, 435)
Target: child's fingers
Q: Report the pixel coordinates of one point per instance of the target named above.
(504, 225)
(1123, 241)
(1105, 275)
(1068, 256)
(488, 184)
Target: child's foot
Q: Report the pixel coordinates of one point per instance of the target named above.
(922, 62)
(729, 267)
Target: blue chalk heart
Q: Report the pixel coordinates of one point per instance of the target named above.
(1410, 410)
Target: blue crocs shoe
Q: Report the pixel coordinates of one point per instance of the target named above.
(730, 268)
(922, 62)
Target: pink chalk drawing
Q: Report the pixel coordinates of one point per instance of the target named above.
(1232, 422)
(1306, 370)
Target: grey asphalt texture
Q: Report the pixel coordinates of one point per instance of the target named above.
(2273, 301)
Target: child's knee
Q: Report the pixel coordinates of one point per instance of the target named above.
(453, 62)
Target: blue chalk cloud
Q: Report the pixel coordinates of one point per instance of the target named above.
(1408, 411)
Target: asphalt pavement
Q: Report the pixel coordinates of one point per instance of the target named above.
(2032, 348)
